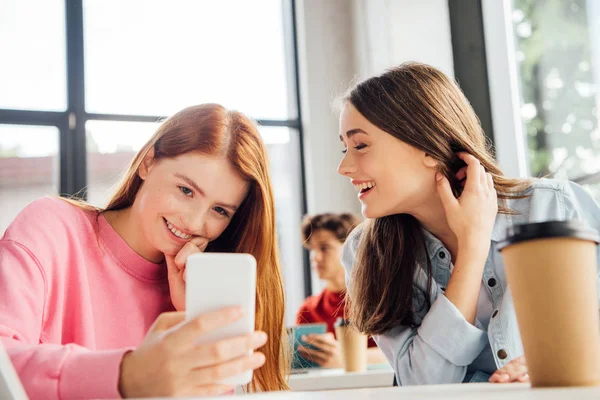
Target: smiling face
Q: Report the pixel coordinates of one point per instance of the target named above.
(191, 195)
(390, 176)
(325, 254)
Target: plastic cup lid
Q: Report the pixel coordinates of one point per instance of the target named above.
(550, 229)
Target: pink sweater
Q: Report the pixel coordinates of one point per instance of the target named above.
(74, 297)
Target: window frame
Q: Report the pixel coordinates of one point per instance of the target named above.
(509, 129)
(71, 122)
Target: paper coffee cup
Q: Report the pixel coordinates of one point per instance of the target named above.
(353, 346)
(551, 268)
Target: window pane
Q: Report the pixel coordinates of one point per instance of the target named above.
(559, 69)
(32, 48)
(283, 146)
(156, 57)
(111, 146)
(28, 167)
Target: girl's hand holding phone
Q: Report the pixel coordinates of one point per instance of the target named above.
(170, 363)
(327, 350)
(176, 270)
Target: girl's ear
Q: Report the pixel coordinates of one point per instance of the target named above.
(429, 161)
(146, 165)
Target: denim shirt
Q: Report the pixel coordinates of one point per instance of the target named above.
(444, 347)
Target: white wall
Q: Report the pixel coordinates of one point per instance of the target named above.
(394, 31)
(509, 138)
(326, 58)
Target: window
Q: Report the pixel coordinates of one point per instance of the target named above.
(128, 64)
(111, 145)
(161, 56)
(557, 51)
(32, 44)
(28, 167)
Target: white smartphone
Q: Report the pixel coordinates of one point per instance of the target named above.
(218, 280)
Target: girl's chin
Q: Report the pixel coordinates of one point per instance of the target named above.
(371, 212)
(323, 276)
(168, 249)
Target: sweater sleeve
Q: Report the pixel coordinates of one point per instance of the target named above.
(47, 371)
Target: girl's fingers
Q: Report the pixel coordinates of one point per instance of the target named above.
(200, 242)
(473, 164)
(226, 349)
(515, 371)
(312, 355)
(482, 177)
(215, 373)
(461, 174)
(323, 342)
(500, 378)
(185, 334)
(188, 249)
(490, 181)
(195, 245)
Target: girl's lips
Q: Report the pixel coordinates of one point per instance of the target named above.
(365, 193)
(174, 236)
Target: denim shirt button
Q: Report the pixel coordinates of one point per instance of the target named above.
(502, 354)
(442, 255)
(492, 282)
(495, 313)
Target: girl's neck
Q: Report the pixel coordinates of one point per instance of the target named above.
(433, 218)
(125, 223)
(337, 284)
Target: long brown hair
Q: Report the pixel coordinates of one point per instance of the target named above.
(340, 225)
(212, 129)
(421, 106)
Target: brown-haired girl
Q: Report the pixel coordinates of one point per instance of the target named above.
(425, 276)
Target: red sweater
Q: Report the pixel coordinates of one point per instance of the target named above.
(325, 307)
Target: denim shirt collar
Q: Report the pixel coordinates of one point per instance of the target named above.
(434, 245)
(499, 231)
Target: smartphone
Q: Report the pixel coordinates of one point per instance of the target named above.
(218, 280)
(299, 362)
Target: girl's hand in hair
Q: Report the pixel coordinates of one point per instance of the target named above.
(176, 270)
(170, 363)
(471, 217)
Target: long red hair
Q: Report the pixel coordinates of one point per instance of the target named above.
(212, 129)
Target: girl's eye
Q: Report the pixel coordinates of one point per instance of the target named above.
(357, 147)
(185, 190)
(222, 211)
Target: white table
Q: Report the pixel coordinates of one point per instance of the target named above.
(333, 379)
(469, 391)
